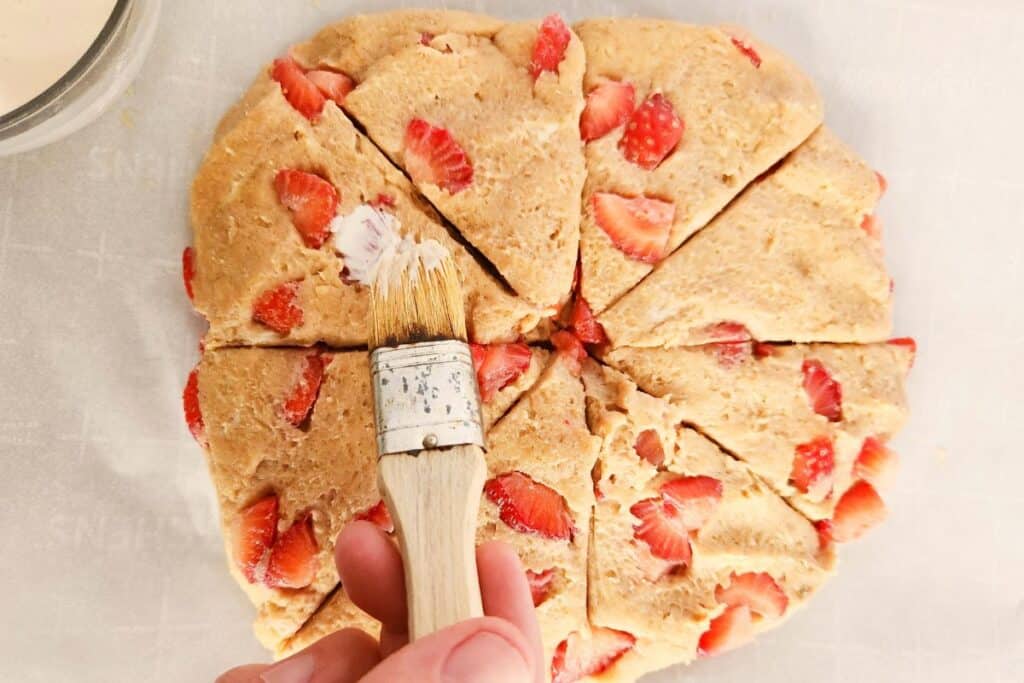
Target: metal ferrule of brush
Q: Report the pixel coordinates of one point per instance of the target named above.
(425, 396)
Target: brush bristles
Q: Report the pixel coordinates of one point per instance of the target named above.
(417, 304)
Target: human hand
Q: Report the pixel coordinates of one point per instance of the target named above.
(502, 647)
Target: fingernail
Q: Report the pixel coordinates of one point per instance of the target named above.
(485, 658)
(297, 669)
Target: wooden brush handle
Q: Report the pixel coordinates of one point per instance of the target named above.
(434, 498)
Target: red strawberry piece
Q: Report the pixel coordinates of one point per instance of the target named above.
(254, 535)
(730, 354)
(577, 657)
(425, 38)
(663, 528)
(694, 497)
(748, 50)
(585, 326)
(433, 156)
(193, 415)
(872, 226)
(876, 463)
(729, 630)
(570, 350)
(608, 107)
(883, 184)
(652, 132)
(860, 509)
(813, 466)
(763, 349)
(824, 529)
(188, 270)
(824, 393)
(728, 331)
(293, 561)
(907, 343)
(498, 365)
(540, 584)
(278, 308)
(300, 92)
(756, 590)
(383, 200)
(648, 447)
(637, 226)
(301, 397)
(379, 515)
(333, 85)
(312, 201)
(530, 507)
(549, 49)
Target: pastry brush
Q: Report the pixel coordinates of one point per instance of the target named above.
(431, 466)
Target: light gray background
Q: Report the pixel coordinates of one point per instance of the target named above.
(111, 565)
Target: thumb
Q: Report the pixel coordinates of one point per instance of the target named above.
(484, 650)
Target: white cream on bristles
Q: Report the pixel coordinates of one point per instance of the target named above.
(371, 247)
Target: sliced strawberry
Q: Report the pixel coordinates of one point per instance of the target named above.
(254, 535)
(652, 132)
(748, 50)
(876, 463)
(300, 92)
(188, 270)
(293, 561)
(278, 308)
(302, 395)
(858, 510)
(756, 590)
(498, 365)
(540, 584)
(585, 326)
(694, 497)
(729, 630)
(763, 349)
(883, 184)
(193, 415)
(648, 447)
(530, 507)
(907, 343)
(570, 350)
(333, 85)
(663, 528)
(728, 331)
(824, 529)
(637, 226)
(608, 107)
(577, 657)
(813, 466)
(433, 156)
(312, 201)
(824, 393)
(379, 515)
(549, 48)
(730, 354)
(872, 225)
(382, 200)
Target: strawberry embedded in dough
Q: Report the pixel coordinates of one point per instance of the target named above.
(255, 531)
(825, 538)
(728, 331)
(540, 585)
(433, 156)
(570, 350)
(763, 350)
(382, 201)
(859, 509)
(193, 414)
(608, 106)
(549, 48)
(730, 354)
(304, 96)
(876, 463)
(302, 396)
(498, 365)
(883, 183)
(637, 226)
(278, 308)
(696, 498)
(331, 84)
(824, 393)
(758, 591)
(729, 630)
(907, 343)
(530, 507)
(584, 325)
(188, 270)
(872, 225)
(663, 529)
(652, 132)
(378, 514)
(293, 561)
(312, 201)
(648, 447)
(748, 50)
(577, 657)
(813, 468)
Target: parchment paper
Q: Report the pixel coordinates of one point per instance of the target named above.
(112, 567)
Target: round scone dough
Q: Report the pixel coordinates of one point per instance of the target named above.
(731, 421)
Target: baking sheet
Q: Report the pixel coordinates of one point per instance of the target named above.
(112, 567)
